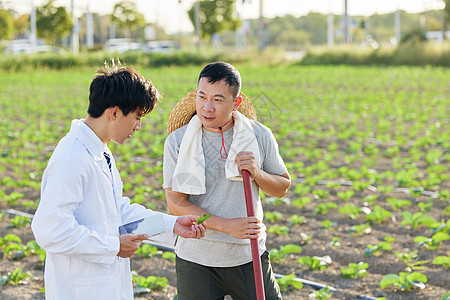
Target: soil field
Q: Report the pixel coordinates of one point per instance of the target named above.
(367, 149)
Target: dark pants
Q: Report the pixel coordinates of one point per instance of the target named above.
(198, 282)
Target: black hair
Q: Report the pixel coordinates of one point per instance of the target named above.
(121, 86)
(220, 70)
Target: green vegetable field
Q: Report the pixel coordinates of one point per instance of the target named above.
(368, 150)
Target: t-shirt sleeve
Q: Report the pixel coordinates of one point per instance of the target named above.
(272, 161)
(171, 149)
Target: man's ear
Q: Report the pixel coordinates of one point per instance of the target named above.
(237, 102)
(113, 112)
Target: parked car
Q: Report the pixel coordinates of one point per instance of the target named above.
(123, 45)
(162, 46)
(25, 46)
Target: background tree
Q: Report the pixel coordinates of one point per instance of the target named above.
(21, 24)
(216, 16)
(127, 17)
(52, 22)
(6, 25)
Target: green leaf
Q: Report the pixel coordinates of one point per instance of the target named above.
(291, 248)
(416, 276)
(203, 218)
(389, 280)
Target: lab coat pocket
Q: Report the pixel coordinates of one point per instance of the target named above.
(96, 287)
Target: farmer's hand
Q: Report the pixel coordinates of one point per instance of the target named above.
(246, 161)
(187, 227)
(243, 228)
(129, 243)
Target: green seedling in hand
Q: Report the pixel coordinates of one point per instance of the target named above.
(203, 218)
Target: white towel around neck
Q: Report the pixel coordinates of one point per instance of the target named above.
(189, 174)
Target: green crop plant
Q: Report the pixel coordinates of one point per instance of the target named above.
(375, 250)
(328, 225)
(289, 280)
(316, 262)
(280, 255)
(360, 185)
(351, 210)
(301, 189)
(444, 195)
(378, 215)
(433, 242)
(425, 206)
(360, 229)
(273, 216)
(272, 201)
(416, 220)
(404, 281)
(385, 189)
(441, 227)
(147, 284)
(345, 195)
(321, 294)
(322, 194)
(15, 277)
(411, 260)
(297, 220)
(442, 260)
(355, 270)
(370, 199)
(398, 204)
(334, 243)
(323, 208)
(169, 256)
(446, 296)
(32, 248)
(306, 238)
(148, 251)
(300, 202)
(19, 222)
(13, 198)
(279, 230)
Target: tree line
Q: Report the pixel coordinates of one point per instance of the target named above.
(219, 20)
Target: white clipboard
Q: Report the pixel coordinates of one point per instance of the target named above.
(151, 225)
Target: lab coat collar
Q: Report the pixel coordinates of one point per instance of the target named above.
(92, 143)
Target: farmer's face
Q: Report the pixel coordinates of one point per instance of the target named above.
(215, 104)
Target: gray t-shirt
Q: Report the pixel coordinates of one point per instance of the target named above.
(223, 197)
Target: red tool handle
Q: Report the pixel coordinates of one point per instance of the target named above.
(253, 242)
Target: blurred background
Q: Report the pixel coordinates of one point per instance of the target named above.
(287, 29)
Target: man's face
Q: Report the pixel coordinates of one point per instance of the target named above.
(214, 104)
(125, 126)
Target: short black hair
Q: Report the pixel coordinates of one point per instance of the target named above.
(121, 86)
(217, 71)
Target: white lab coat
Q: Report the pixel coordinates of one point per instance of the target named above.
(78, 218)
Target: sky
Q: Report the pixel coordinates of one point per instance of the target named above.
(172, 15)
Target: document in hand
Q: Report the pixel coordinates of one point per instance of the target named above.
(151, 225)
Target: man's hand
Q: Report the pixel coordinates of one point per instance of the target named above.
(187, 227)
(243, 228)
(129, 243)
(246, 161)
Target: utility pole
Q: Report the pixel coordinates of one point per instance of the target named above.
(261, 41)
(33, 31)
(397, 26)
(345, 22)
(74, 41)
(198, 29)
(89, 28)
(330, 27)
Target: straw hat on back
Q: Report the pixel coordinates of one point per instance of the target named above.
(185, 110)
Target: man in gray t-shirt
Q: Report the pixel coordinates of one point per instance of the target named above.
(220, 263)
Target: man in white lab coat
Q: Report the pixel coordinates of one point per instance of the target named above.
(82, 216)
